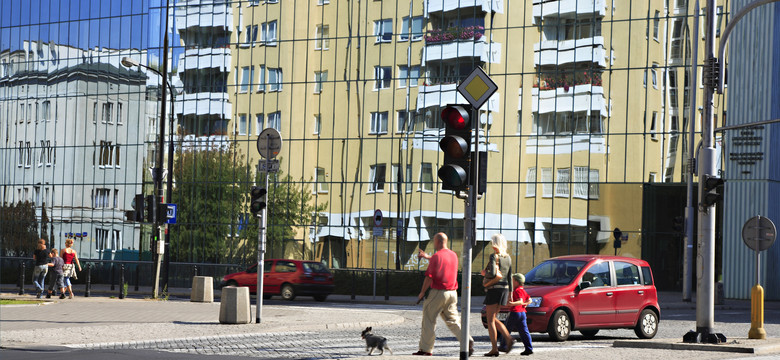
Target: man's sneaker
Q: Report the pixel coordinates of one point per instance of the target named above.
(422, 353)
(62, 296)
(48, 295)
(527, 352)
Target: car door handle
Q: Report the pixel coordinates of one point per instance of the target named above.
(641, 292)
(609, 294)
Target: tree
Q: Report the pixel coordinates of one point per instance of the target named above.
(18, 229)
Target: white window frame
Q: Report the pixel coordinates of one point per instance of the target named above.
(654, 76)
(242, 124)
(322, 37)
(261, 79)
(562, 179)
(317, 124)
(416, 35)
(401, 119)
(530, 182)
(580, 190)
(383, 76)
(547, 182)
(323, 2)
(107, 114)
(426, 169)
(269, 33)
(320, 184)
(320, 78)
(378, 123)
(250, 38)
(654, 125)
(275, 120)
(373, 185)
(259, 123)
(46, 111)
(383, 30)
(656, 24)
(275, 79)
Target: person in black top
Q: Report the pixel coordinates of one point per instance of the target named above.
(41, 258)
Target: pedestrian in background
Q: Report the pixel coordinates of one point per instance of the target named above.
(441, 278)
(41, 258)
(497, 292)
(69, 256)
(517, 320)
(57, 278)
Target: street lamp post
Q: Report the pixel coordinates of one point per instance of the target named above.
(157, 172)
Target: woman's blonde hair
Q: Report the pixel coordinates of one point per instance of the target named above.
(499, 241)
(68, 242)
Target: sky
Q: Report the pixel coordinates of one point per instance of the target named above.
(85, 24)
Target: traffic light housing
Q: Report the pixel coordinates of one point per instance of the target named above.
(711, 191)
(677, 223)
(456, 145)
(138, 209)
(161, 209)
(257, 203)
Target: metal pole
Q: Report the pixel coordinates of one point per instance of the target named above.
(261, 234)
(470, 232)
(689, 209)
(157, 174)
(758, 257)
(373, 297)
(168, 193)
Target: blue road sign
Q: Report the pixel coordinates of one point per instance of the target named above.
(171, 214)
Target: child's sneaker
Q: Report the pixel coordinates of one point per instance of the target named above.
(48, 295)
(62, 296)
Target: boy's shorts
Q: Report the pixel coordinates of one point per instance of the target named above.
(57, 280)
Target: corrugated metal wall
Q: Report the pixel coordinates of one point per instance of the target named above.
(752, 189)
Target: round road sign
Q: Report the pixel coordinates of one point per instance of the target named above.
(759, 233)
(269, 143)
(378, 217)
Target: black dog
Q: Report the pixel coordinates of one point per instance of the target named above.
(374, 341)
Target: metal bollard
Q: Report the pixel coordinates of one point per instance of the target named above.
(387, 284)
(89, 280)
(122, 281)
(137, 275)
(22, 270)
(194, 270)
(353, 285)
(112, 276)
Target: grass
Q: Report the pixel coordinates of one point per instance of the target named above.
(19, 302)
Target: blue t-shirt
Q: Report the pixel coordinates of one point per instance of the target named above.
(58, 262)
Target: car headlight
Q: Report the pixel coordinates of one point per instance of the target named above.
(535, 302)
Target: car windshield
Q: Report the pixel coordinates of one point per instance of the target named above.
(315, 267)
(554, 272)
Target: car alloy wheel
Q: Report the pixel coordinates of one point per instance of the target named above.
(647, 325)
(560, 326)
(288, 293)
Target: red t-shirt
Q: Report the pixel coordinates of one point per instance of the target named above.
(519, 294)
(443, 269)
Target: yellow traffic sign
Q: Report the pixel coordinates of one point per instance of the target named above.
(477, 88)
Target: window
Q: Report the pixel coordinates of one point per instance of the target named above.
(379, 122)
(598, 275)
(417, 28)
(530, 182)
(547, 185)
(275, 79)
(654, 75)
(677, 42)
(653, 122)
(681, 4)
(651, 178)
(275, 120)
(269, 33)
(581, 176)
(673, 89)
(402, 118)
(321, 186)
(719, 19)
(321, 37)
(644, 79)
(49, 153)
(242, 123)
(411, 74)
(383, 30)
(647, 276)
(106, 150)
(562, 182)
(108, 109)
(119, 113)
(46, 110)
(626, 274)
(317, 124)
(323, 2)
(382, 77)
(593, 187)
(320, 77)
(251, 35)
(27, 155)
(21, 113)
(101, 197)
(261, 80)
(247, 75)
(101, 239)
(42, 155)
(656, 23)
(377, 178)
(426, 177)
(260, 123)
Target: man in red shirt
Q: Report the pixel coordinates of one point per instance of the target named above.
(442, 280)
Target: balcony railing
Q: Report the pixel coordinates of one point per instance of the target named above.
(565, 81)
(441, 36)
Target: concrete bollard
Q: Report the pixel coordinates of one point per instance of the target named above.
(202, 289)
(234, 306)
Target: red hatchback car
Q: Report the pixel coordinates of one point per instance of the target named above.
(588, 293)
(287, 278)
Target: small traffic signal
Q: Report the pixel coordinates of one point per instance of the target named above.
(258, 199)
(710, 190)
(677, 223)
(456, 145)
(138, 208)
(161, 209)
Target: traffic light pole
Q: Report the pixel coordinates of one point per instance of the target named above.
(263, 221)
(690, 198)
(470, 232)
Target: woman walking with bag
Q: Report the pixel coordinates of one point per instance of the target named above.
(68, 255)
(497, 287)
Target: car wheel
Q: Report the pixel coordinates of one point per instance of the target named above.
(232, 283)
(589, 334)
(288, 293)
(647, 325)
(320, 297)
(559, 328)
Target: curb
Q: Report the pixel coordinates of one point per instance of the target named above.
(734, 346)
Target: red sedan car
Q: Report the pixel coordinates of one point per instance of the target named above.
(588, 293)
(287, 278)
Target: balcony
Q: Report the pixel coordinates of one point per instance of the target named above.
(476, 46)
(584, 97)
(208, 58)
(441, 95)
(432, 6)
(567, 8)
(556, 53)
(201, 143)
(193, 14)
(204, 104)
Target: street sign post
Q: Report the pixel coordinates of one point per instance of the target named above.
(377, 226)
(759, 234)
(269, 143)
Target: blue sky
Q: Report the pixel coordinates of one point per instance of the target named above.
(85, 24)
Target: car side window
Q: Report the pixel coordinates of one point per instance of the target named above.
(285, 266)
(598, 275)
(267, 266)
(252, 270)
(626, 273)
(647, 276)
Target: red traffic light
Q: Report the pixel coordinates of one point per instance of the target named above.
(455, 116)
